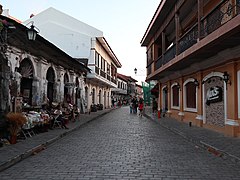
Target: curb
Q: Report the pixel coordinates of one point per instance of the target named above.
(43, 146)
(217, 152)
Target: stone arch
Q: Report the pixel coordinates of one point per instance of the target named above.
(77, 91)
(93, 95)
(105, 99)
(51, 79)
(67, 96)
(164, 98)
(100, 96)
(26, 69)
(79, 99)
(86, 97)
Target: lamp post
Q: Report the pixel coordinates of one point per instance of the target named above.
(32, 31)
(226, 78)
(196, 83)
(135, 70)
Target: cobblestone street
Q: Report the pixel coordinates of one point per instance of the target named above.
(120, 145)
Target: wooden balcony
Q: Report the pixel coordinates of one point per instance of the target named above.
(97, 70)
(219, 30)
(102, 73)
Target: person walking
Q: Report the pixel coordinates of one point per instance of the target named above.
(140, 107)
(131, 107)
(134, 105)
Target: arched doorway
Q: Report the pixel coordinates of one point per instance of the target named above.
(108, 100)
(26, 70)
(100, 97)
(214, 102)
(67, 97)
(50, 86)
(93, 96)
(86, 97)
(165, 99)
(105, 99)
(79, 101)
(77, 92)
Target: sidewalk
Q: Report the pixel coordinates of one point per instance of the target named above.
(214, 142)
(11, 154)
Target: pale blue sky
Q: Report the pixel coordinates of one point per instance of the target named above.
(123, 23)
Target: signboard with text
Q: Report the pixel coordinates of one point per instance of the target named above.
(214, 94)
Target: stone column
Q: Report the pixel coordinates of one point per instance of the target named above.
(60, 85)
(35, 91)
(4, 89)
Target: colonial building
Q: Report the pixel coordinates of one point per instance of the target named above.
(34, 71)
(193, 51)
(82, 41)
(139, 91)
(120, 93)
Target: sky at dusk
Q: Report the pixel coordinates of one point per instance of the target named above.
(123, 23)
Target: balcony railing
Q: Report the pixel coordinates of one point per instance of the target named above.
(219, 16)
(97, 70)
(102, 73)
(223, 13)
(169, 54)
(114, 81)
(188, 39)
(108, 77)
(149, 69)
(158, 63)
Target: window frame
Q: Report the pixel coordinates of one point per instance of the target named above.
(175, 107)
(185, 108)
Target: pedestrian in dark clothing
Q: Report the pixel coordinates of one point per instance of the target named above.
(134, 105)
(154, 106)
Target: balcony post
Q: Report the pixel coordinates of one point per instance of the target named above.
(177, 25)
(199, 118)
(163, 42)
(200, 14)
(181, 111)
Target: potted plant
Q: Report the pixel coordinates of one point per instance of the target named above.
(15, 121)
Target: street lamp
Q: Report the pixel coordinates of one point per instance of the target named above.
(226, 78)
(135, 70)
(196, 83)
(32, 32)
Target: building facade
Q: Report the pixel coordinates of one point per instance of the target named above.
(193, 53)
(82, 41)
(120, 93)
(33, 77)
(139, 91)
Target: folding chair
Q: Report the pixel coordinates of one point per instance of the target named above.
(56, 122)
(27, 130)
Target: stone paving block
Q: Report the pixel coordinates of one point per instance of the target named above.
(122, 146)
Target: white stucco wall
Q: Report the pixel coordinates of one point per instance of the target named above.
(66, 32)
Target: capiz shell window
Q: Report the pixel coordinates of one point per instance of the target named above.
(175, 96)
(191, 95)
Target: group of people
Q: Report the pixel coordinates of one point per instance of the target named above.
(62, 113)
(136, 105)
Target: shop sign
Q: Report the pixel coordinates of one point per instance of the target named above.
(214, 94)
